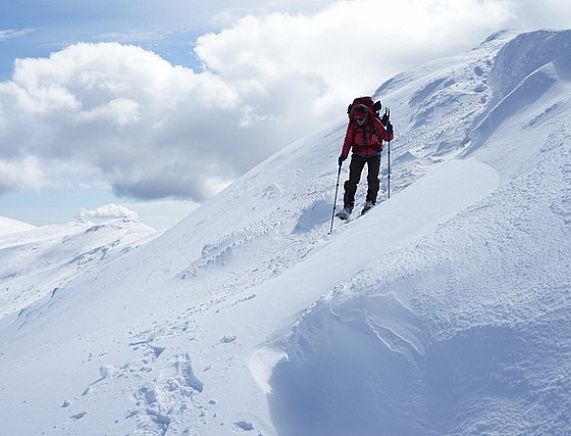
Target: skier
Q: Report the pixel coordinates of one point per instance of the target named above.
(365, 135)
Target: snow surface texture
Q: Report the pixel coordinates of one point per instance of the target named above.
(443, 311)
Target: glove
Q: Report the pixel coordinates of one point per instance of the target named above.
(341, 159)
(389, 128)
(385, 119)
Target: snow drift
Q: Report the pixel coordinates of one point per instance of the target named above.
(442, 311)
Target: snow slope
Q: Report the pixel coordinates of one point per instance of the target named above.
(442, 311)
(8, 225)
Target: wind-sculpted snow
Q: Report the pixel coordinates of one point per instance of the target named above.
(471, 337)
(523, 55)
(443, 311)
(525, 70)
(351, 369)
(528, 92)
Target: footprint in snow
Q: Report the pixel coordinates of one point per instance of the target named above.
(183, 371)
(157, 351)
(243, 426)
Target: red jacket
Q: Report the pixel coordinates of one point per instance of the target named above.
(366, 140)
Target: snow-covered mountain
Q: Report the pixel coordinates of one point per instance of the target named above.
(444, 310)
(41, 261)
(8, 225)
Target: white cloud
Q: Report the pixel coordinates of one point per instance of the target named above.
(148, 128)
(109, 211)
(119, 115)
(17, 175)
(350, 46)
(7, 34)
(547, 14)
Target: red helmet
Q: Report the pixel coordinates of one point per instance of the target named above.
(359, 113)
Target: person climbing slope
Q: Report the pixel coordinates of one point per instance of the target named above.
(365, 136)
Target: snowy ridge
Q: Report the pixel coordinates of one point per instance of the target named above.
(41, 261)
(8, 226)
(442, 311)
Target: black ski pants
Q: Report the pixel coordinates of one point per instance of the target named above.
(355, 169)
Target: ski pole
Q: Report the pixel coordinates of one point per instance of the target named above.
(388, 113)
(389, 170)
(335, 201)
(380, 167)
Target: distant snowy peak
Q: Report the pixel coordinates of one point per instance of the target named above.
(33, 234)
(35, 262)
(8, 226)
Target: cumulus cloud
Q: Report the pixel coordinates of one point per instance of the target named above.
(109, 211)
(17, 175)
(147, 127)
(123, 116)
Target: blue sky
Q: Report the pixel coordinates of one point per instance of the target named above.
(52, 24)
(134, 116)
(168, 27)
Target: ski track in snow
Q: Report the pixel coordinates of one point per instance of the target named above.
(435, 313)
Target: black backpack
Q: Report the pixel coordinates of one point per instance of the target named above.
(375, 106)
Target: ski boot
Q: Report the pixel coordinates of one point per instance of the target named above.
(344, 213)
(368, 206)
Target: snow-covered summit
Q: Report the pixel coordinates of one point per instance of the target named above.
(8, 225)
(442, 311)
(38, 262)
